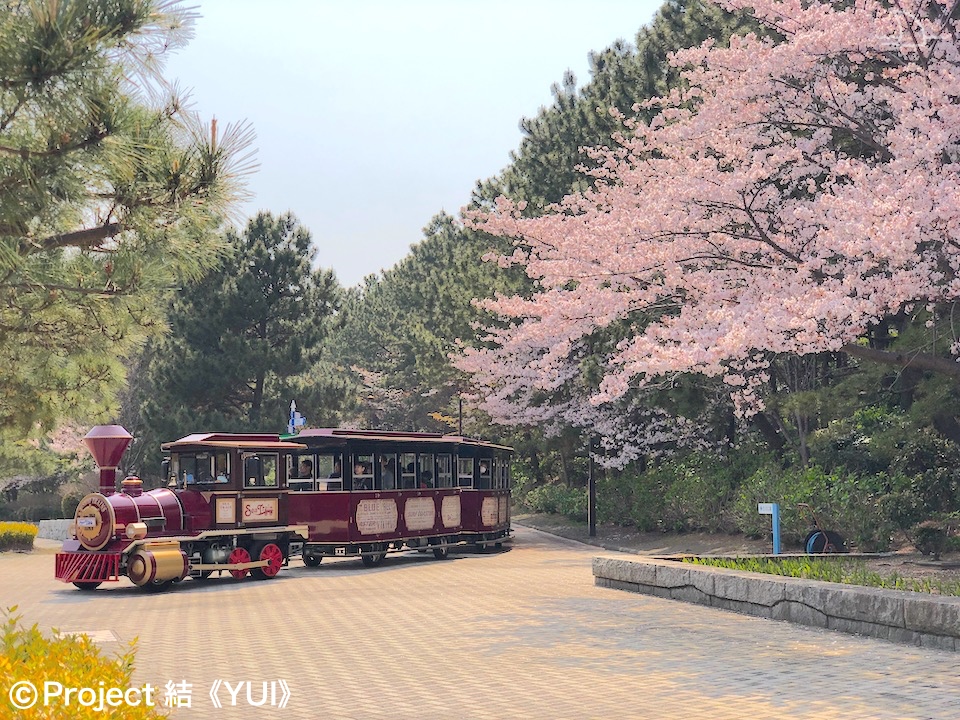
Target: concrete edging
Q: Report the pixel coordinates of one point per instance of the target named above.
(896, 615)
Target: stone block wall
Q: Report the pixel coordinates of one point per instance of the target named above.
(900, 616)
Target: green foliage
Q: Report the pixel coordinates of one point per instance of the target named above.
(72, 660)
(631, 499)
(558, 499)
(861, 508)
(108, 198)
(838, 570)
(697, 494)
(244, 341)
(399, 330)
(933, 465)
(545, 167)
(865, 442)
(693, 492)
(17, 535)
(70, 500)
(31, 499)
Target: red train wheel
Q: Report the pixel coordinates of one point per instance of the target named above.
(239, 555)
(273, 554)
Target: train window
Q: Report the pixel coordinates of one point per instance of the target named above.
(408, 470)
(425, 472)
(252, 471)
(329, 466)
(300, 471)
(270, 464)
(444, 471)
(363, 472)
(195, 468)
(300, 467)
(483, 476)
(387, 465)
(465, 472)
(221, 467)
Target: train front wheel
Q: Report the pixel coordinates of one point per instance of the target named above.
(239, 555)
(87, 586)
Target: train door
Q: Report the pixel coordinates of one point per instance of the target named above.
(464, 472)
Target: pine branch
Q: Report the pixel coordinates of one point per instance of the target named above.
(87, 238)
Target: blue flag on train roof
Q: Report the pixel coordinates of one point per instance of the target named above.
(296, 419)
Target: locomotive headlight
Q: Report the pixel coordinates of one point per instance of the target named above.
(136, 531)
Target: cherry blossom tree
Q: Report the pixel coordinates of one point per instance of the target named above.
(795, 189)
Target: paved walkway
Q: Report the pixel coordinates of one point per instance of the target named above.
(519, 634)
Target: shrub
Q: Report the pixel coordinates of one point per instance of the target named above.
(521, 482)
(864, 443)
(17, 535)
(558, 499)
(71, 498)
(930, 538)
(697, 495)
(860, 508)
(933, 463)
(72, 660)
(629, 499)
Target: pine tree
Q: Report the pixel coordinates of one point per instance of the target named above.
(109, 194)
(245, 339)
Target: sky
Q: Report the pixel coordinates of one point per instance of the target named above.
(372, 116)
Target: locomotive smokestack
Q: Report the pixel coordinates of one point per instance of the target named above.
(107, 443)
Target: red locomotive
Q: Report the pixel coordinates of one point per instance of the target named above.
(248, 503)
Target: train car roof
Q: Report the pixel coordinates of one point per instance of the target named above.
(258, 441)
(392, 436)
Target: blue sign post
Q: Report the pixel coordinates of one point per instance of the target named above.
(774, 510)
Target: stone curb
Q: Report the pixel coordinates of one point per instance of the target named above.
(899, 616)
(54, 529)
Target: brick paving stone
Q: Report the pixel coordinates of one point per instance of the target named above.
(518, 634)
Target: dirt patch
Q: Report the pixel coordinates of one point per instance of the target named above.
(905, 561)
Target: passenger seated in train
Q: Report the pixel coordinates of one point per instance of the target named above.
(305, 472)
(426, 479)
(387, 475)
(362, 476)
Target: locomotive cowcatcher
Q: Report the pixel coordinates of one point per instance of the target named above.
(245, 504)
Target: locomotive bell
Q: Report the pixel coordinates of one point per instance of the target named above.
(107, 443)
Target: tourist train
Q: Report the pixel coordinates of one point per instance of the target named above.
(247, 504)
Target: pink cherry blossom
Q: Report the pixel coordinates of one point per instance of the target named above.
(791, 194)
